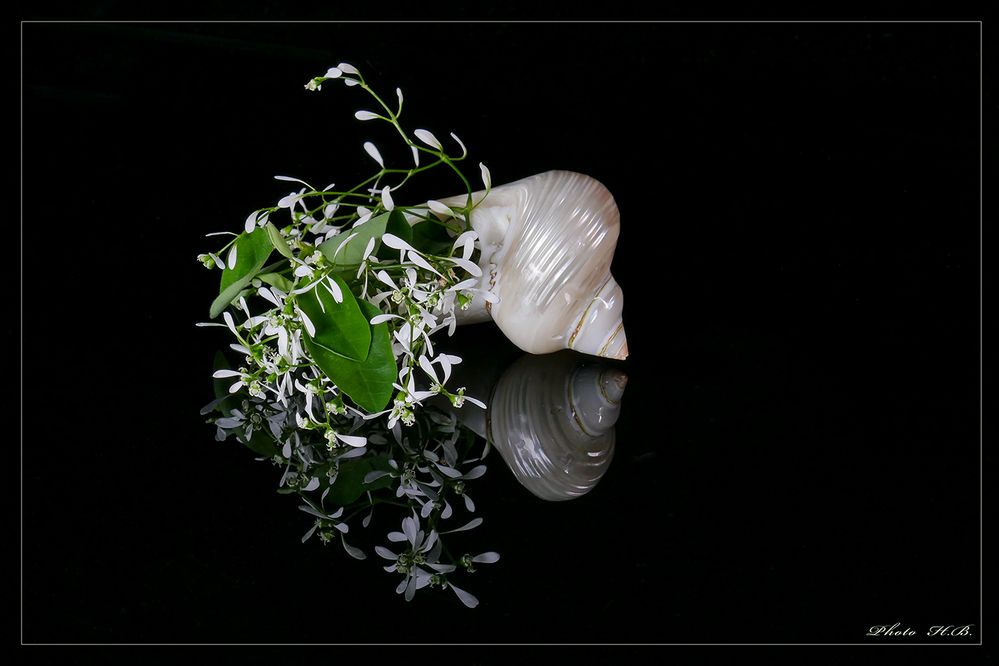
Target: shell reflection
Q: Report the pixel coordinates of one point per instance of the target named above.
(552, 420)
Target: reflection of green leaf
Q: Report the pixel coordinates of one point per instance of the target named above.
(277, 240)
(341, 328)
(368, 382)
(252, 251)
(349, 484)
(262, 443)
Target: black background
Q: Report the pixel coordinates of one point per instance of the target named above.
(798, 455)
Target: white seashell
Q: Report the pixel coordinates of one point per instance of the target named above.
(552, 420)
(546, 247)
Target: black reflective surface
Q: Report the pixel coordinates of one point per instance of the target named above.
(797, 453)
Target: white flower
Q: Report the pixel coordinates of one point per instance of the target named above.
(365, 115)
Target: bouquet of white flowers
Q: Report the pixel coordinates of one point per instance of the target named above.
(334, 297)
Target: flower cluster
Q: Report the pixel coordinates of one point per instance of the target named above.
(420, 472)
(334, 296)
(347, 312)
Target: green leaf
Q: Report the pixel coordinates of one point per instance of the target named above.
(349, 484)
(252, 251)
(277, 280)
(277, 240)
(341, 328)
(368, 382)
(431, 237)
(353, 250)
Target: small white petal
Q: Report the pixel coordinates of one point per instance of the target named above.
(351, 82)
(222, 374)
(218, 262)
(333, 73)
(366, 115)
(267, 294)
(290, 179)
(368, 249)
(463, 238)
(235, 387)
(230, 323)
(449, 471)
(417, 259)
(352, 440)
(470, 525)
(487, 178)
(486, 558)
(487, 296)
(347, 68)
(384, 278)
(375, 155)
(469, 266)
(397, 243)
(416, 155)
(334, 289)
(303, 271)
(386, 553)
(354, 552)
(464, 151)
(398, 93)
(313, 484)
(378, 319)
(445, 362)
(231, 259)
(343, 244)
(428, 138)
(428, 368)
(283, 343)
(387, 198)
(475, 472)
(466, 598)
(441, 209)
(464, 284)
(251, 222)
(309, 326)
(477, 403)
